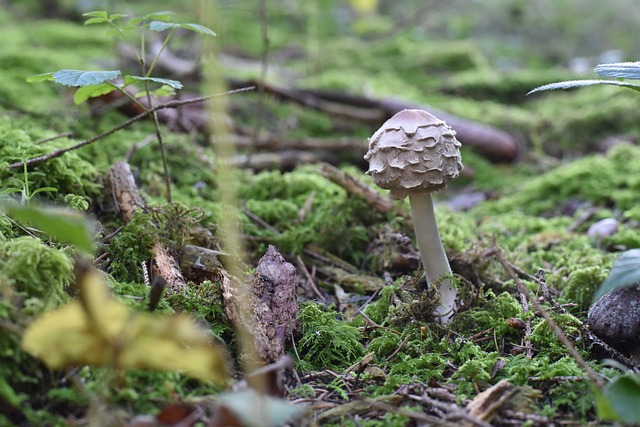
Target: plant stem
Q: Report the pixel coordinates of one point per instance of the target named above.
(155, 60)
(165, 165)
(434, 259)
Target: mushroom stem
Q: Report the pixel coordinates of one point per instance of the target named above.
(434, 259)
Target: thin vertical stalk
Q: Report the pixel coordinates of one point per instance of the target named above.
(227, 177)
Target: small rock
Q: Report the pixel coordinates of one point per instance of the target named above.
(603, 228)
(466, 201)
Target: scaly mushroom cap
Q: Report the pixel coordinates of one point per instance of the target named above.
(413, 152)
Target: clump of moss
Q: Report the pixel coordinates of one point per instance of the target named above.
(37, 273)
(327, 342)
(69, 174)
(168, 225)
(33, 279)
(204, 302)
(504, 87)
(332, 220)
(131, 247)
(608, 181)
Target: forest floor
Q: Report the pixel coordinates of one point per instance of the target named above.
(304, 275)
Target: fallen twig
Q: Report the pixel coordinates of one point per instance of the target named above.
(562, 337)
(494, 144)
(540, 279)
(126, 123)
(359, 189)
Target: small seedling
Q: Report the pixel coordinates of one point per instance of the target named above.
(27, 194)
(93, 84)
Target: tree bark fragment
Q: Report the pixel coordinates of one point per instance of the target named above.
(128, 200)
(270, 308)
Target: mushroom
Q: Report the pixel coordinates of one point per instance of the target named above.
(615, 319)
(414, 154)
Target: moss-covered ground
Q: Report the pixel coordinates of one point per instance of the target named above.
(533, 211)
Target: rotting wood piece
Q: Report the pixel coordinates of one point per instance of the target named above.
(128, 200)
(199, 264)
(270, 309)
(492, 143)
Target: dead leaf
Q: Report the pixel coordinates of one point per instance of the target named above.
(98, 330)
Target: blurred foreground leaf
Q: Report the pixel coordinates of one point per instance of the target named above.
(101, 331)
(64, 225)
(619, 400)
(625, 272)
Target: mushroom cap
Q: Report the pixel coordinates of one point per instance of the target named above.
(413, 152)
(615, 317)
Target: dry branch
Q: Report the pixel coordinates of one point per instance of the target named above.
(492, 143)
(125, 124)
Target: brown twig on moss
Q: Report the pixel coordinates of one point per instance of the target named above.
(126, 123)
(540, 279)
(357, 188)
(562, 337)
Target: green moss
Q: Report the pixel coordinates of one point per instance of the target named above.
(69, 174)
(491, 314)
(326, 341)
(590, 179)
(574, 396)
(204, 301)
(569, 123)
(131, 247)
(33, 279)
(333, 220)
(582, 283)
(37, 273)
(51, 46)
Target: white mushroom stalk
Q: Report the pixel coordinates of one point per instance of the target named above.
(414, 154)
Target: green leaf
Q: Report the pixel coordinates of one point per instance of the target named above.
(620, 70)
(65, 225)
(604, 408)
(43, 190)
(132, 79)
(162, 26)
(78, 78)
(625, 272)
(200, 29)
(92, 91)
(101, 17)
(97, 13)
(165, 15)
(96, 17)
(569, 84)
(164, 90)
(44, 77)
(623, 395)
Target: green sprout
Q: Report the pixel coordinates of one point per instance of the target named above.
(92, 84)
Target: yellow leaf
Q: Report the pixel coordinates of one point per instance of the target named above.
(364, 7)
(101, 331)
